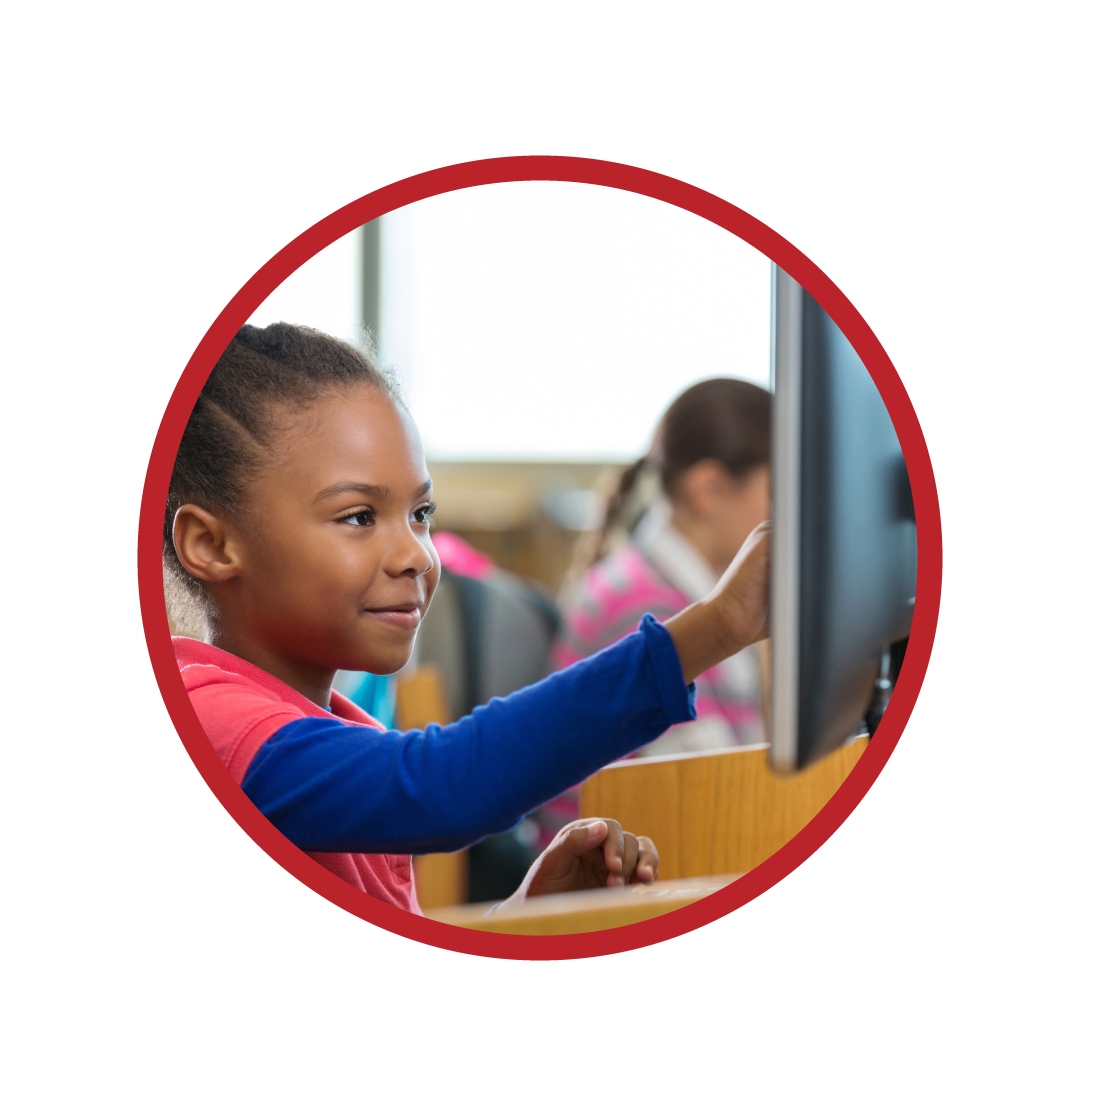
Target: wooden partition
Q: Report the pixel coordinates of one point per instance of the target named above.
(421, 698)
(441, 879)
(715, 813)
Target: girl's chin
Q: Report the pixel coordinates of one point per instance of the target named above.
(380, 662)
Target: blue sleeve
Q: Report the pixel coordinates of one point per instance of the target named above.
(331, 787)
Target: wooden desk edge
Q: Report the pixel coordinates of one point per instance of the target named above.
(760, 747)
(584, 910)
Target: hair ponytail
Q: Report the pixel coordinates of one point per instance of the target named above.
(725, 419)
(619, 507)
(615, 505)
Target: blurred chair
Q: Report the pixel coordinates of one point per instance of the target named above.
(490, 636)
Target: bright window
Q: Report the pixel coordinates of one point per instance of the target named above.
(549, 321)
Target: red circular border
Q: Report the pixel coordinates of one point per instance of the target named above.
(510, 170)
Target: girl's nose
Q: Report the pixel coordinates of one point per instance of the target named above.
(409, 554)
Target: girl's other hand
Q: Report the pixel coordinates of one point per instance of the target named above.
(587, 855)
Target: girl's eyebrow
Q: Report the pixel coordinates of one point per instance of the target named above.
(379, 492)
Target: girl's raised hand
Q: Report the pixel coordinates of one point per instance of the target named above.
(733, 616)
(587, 855)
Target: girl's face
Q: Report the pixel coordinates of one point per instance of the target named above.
(333, 564)
(718, 511)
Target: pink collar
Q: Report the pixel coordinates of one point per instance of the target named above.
(191, 652)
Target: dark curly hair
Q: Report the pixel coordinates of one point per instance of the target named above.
(229, 435)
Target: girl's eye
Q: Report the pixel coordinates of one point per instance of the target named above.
(359, 519)
(424, 513)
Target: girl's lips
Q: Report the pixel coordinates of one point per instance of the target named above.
(404, 618)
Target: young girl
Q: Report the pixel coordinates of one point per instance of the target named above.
(298, 521)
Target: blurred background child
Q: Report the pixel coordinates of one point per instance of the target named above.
(711, 455)
(673, 522)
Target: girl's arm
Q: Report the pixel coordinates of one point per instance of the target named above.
(331, 787)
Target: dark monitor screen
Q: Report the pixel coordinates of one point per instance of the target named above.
(844, 562)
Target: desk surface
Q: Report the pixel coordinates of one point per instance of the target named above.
(584, 910)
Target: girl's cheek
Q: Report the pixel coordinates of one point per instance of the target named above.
(433, 580)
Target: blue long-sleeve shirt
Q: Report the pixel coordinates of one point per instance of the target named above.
(333, 787)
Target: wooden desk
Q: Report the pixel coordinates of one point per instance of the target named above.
(584, 910)
(719, 812)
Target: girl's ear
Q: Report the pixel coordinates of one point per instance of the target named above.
(203, 544)
(704, 487)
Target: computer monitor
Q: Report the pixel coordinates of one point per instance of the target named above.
(844, 551)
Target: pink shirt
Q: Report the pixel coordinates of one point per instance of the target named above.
(240, 706)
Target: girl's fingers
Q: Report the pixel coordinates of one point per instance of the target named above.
(613, 852)
(583, 836)
(626, 857)
(630, 859)
(648, 861)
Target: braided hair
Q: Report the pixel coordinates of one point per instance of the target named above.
(230, 434)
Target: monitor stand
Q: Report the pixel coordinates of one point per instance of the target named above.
(884, 686)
